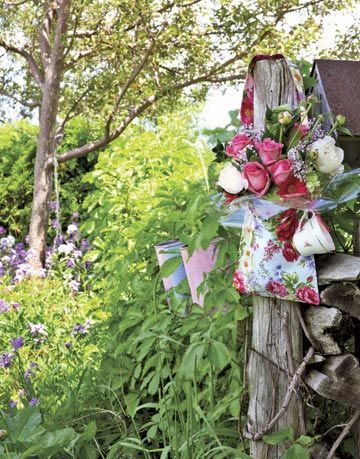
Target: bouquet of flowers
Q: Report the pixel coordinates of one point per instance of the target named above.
(291, 161)
(277, 178)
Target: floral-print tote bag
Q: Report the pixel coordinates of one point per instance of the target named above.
(269, 265)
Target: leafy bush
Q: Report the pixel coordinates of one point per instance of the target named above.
(172, 377)
(17, 156)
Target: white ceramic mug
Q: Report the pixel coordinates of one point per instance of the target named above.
(313, 238)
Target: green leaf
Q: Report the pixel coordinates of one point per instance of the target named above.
(218, 355)
(241, 313)
(304, 440)
(192, 358)
(281, 436)
(170, 266)
(209, 230)
(296, 452)
(132, 402)
(344, 130)
(165, 452)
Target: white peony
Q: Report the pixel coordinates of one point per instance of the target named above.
(329, 156)
(232, 180)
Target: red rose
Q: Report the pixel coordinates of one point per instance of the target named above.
(239, 282)
(257, 177)
(292, 188)
(281, 171)
(238, 143)
(276, 288)
(289, 253)
(307, 295)
(269, 151)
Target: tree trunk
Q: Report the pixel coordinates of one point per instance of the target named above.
(46, 144)
(269, 368)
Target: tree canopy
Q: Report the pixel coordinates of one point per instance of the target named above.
(122, 57)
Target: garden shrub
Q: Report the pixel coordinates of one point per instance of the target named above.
(174, 374)
(17, 157)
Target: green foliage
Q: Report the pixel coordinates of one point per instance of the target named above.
(53, 363)
(17, 156)
(297, 448)
(173, 369)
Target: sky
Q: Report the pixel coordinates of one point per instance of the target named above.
(220, 101)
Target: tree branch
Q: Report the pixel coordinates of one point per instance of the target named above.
(44, 33)
(136, 71)
(343, 434)
(34, 69)
(110, 136)
(25, 103)
(296, 379)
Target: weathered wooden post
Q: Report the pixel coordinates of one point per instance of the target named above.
(271, 363)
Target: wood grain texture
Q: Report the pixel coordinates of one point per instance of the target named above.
(320, 320)
(268, 370)
(343, 296)
(337, 267)
(338, 379)
(274, 86)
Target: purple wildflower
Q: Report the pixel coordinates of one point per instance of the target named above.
(2, 231)
(88, 264)
(74, 285)
(34, 401)
(54, 205)
(82, 329)
(79, 329)
(72, 229)
(68, 344)
(55, 223)
(4, 307)
(84, 245)
(70, 263)
(17, 343)
(36, 330)
(5, 360)
(16, 306)
(76, 215)
(12, 404)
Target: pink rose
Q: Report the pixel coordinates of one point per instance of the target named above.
(307, 295)
(257, 177)
(238, 143)
(269, 151)
(281, 171)
(289, 253)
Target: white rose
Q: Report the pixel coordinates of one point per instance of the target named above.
(231, 180)
(329, 156)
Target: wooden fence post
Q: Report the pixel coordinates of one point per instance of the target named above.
(271, 362)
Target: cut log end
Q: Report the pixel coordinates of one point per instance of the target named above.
(338, 379)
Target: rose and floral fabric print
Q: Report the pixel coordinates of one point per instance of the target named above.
(269, 265)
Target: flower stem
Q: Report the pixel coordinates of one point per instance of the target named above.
(334, 126)
(281, 134)
(296, 134)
